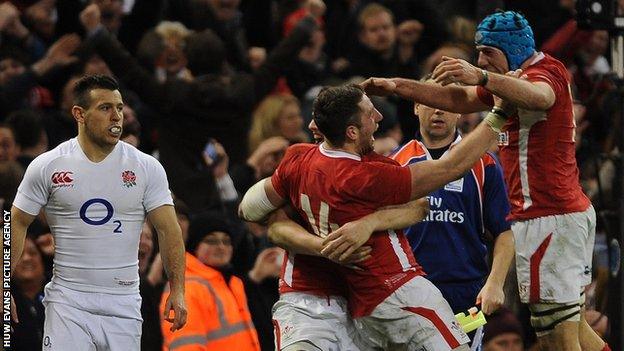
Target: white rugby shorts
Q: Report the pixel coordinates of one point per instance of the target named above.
(554, 256)
(77, 320)
(414, 317)
(321, 321)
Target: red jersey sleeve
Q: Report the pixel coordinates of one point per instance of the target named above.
(485, 96)
(548, 74)
(381, 183)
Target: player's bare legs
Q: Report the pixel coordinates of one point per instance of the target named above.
(564, 337)
(590, 340)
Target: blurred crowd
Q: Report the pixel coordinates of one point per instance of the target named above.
(218, 89)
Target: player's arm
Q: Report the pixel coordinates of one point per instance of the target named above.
(20, 221)
(449, 98)
(259, 201)
(491, 296)
(520, 92)
(428, 176)
(341, 243)
(291, 236)
(164, 220)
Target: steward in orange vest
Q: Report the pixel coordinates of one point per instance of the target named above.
(218, 316)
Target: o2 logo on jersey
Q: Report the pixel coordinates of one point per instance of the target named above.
(99, 221)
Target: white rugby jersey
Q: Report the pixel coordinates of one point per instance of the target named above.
(95, 212)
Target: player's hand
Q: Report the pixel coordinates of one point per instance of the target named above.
(268, 264)
(452, 70)
(362, 253)
(90, 17)
(46, 244)
(378, 86)
(267, 155)
(175, 302)
(491, 297)
(60, 53)
(340, 244)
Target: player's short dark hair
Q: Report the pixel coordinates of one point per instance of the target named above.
(84, 86)
(336, 108)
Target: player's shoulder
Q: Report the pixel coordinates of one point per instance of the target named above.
(66, 149)
(549, 64)
(299, 150)
(130, 152)
(412, 150)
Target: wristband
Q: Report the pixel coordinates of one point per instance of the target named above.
(485, 78)
(499, 111)
(495, 121)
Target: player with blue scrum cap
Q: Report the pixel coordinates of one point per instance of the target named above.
(553, 221)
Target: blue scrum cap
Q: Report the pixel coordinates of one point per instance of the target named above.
(510, 32)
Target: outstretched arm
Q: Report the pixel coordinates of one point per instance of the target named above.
(520, 92)
(451, 98)
(430, 175)
(172, 252)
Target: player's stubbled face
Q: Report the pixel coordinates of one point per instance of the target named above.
(215, 250)
(103, 119)
(437, 124)
(369, 119)
(492, 59)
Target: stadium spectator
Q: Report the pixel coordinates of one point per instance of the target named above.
(261, 285)
(21, 87)
(503, 332)
(30, 135)
(27, 290)
(382, 52)
(277, 115)
(162, 50)
(95, 286)
(552, 216)
(217, 103)
(11, 173)
(218, 317)
(9, 149)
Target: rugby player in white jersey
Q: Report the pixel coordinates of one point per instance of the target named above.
(96, 192)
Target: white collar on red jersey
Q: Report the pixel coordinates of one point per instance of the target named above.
(337, 153)
(540, 56)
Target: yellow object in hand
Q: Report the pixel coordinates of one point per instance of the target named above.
(473, 320)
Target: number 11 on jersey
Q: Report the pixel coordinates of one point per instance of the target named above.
(324, 227)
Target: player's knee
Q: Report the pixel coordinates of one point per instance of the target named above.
(546, 316)
(301, 346)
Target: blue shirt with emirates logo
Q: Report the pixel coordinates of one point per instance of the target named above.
(450, 242)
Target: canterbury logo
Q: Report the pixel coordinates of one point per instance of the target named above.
(62, 177)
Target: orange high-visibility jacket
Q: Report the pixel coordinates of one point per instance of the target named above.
(218, 316)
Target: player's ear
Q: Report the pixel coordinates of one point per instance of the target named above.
(352, 132)
(78, 113)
